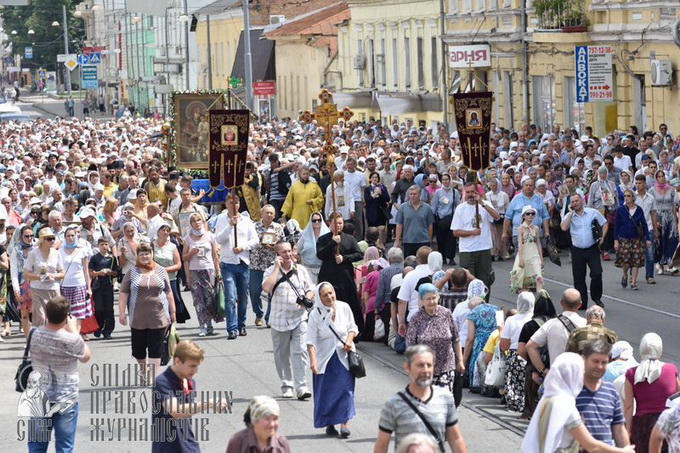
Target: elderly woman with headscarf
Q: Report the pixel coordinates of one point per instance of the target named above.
(515, 374)
(604, 197)
(622, 359)
(625, 183)
(261, 433)
(500, 202)
(306, 246)
(666, 223)
(557, 426)
(476, 289)
(481, 324)
(433, 326)
(330, 335)
(648, 385)
(543, 311)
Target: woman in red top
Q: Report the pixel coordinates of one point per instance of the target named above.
(649, 384)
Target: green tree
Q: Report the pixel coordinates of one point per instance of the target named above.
(47, 41)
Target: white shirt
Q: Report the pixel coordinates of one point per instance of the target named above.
(623, 163)
(460, 315)
(648, 204)
(344, 202)
(408, 292)
(356, 182)
(513, 327)
(224, 235)
(323, 339)
(555, 335)
(73, 266)
(463, 219)
(153, 225)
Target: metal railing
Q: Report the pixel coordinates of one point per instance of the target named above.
(560, 14)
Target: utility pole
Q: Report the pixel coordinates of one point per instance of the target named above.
(444, 82)
(210, 81)
(248, 60)
(68, 71)
(186, 45)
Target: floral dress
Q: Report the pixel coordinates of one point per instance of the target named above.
(484, 319)
(527, 277)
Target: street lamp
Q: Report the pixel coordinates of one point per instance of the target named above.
(68, 71)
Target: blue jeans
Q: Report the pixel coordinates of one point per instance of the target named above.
(255, 291)
(236, 279)
(649, 261)
(64, 427)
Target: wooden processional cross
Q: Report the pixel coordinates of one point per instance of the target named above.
(327, 116)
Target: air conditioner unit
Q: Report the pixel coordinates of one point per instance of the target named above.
(277, 19)
(359, 62)
(662, 72)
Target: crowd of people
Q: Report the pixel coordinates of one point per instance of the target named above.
(92, 208)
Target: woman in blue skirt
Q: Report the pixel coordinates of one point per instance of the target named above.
(333, 383)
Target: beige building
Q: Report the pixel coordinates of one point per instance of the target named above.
(534, 79)
(390, 58)
(306, 57)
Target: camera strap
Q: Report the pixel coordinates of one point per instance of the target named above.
(286, 277)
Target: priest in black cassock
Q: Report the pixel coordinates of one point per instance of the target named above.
(337, 269)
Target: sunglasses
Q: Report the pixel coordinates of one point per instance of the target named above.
(530, 214)
(316, 220)
(50, 239)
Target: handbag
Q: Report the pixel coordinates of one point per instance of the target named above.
(170, 340)
(220, 307)
(553, 253)
(596, 229)
(25, 368)
(495, 372)
(90, 324)
(379, 330)
(425, 421)
(356, 363)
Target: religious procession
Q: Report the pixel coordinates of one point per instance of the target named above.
(214, 276)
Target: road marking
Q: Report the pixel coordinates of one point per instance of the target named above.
(625, 302)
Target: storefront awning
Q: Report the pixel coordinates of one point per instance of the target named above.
(399, 103)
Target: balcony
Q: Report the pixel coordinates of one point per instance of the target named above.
(567, 16)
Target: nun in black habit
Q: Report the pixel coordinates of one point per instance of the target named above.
(337, 269)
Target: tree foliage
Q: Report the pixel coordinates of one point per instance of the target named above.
(47, 41)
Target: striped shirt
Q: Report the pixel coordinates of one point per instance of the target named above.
(600, 411)
(397, 416)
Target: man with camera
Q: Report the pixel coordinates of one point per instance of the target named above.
(290, 290)
(585, 241)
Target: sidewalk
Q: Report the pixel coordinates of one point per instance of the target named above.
(53, 106)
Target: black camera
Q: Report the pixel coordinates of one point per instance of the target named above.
(305, 302)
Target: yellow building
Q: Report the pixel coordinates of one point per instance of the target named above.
(224, 25)
(390, 58)
(306, 57)
(534, 79)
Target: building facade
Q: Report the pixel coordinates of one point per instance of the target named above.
(533, 65)
(390, 58)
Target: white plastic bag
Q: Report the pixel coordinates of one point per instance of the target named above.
(379, 330)
(495, 372)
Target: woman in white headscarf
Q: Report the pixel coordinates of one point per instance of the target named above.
(556, 426)
(476, 288)
(333, 383)
(306, 246)
(514, 376)
(648, 385)
(604, 197)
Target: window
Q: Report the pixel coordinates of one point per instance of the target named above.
(435, 63)
(421, 66)
(361, 58)
(371, 63)
(395, 64)
(543, 96)
(467, 6)
(453, 6)
(507, 100)
(380, 61)
(407, 61)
